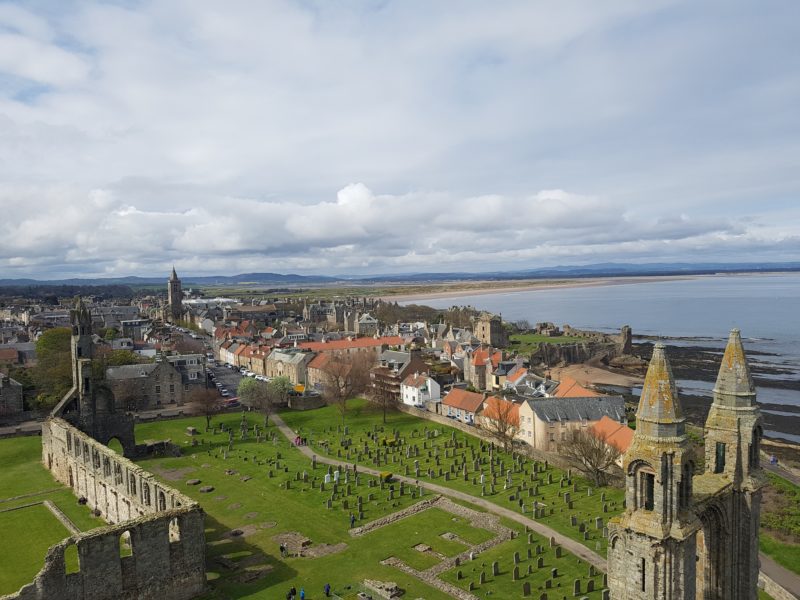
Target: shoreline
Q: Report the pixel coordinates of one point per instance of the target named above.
(534, 285)
(529, 285)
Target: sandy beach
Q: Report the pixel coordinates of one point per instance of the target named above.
(588, 375)
(479, 288)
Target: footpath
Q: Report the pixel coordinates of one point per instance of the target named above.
(783, 577)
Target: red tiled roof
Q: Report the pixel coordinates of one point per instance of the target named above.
(416, 380)
(469, 401)
(517, 375)
(498, 408)
(9, 354)
(365, 342)
(616, 434)
(319, 361)
(570, 388)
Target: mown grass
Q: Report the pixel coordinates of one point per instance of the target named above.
(365, 426)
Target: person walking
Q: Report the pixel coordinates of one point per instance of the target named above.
(352, 520)
(302, 593)
(327, 590)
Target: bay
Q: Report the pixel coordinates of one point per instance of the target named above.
(699, 310)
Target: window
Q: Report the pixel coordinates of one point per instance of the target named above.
(552, 437)
(719, 459)
(755, 449)
(643, 573)
(158, 389)
(171, 388)
(193, 375)
(648, 491)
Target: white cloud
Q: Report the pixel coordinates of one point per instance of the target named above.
(134, 135)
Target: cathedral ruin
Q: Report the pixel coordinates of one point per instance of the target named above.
(162, 529)
(686, 534)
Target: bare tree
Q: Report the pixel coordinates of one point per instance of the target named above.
(501, 419)
(344, 377)
(207, 402)
(382, 394)
(591, 453)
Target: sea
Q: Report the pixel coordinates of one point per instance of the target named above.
(697, 311)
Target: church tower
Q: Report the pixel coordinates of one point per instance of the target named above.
(652, 545)
(175, 296)
(732, 434)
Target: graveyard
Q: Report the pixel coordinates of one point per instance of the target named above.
(260, 492)
(424, 450)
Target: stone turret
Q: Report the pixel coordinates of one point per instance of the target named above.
(657, 528)
(175, 297)
(733, 434)
(733, 429)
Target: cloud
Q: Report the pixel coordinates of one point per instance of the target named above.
(137, 134)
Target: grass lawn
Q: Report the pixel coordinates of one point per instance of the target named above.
(525, 343)
(569, 568)
(27, 534)
(780, 522)
(262, 508)
(365, 427)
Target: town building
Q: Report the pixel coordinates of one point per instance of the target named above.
(291, 364)
(544, 423)
(10, 396)
(462, 405)
(418, 389)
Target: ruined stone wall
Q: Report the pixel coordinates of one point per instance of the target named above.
(155, 547)
(117, 487)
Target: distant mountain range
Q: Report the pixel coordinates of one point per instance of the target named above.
(561, 272)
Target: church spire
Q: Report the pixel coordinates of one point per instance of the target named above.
(659, 413)
(174, 276)
(734, 383)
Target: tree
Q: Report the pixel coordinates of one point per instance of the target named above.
(501, 419)
(590, 453)
(52, 374)
(207, 402)
(256, 394)
(279, 389)
(383, 395)
(344, 377)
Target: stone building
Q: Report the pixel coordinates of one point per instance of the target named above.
(175, 298)
(688, 535)
(489, 330)
(147, 386)
(289, 364)
(10, 396)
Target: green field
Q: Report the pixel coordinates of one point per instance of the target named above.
(366, 430)
(526, 343)
(27, 534)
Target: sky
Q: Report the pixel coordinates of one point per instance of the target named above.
(364, 137)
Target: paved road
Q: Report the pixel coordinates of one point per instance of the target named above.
(783, 577)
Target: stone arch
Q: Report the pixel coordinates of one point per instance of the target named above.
(146, 493)
(125, 544)
(642, 480)
(174, 530)
(162, 500)
(71, 479)
(72, 559)
(713, 545)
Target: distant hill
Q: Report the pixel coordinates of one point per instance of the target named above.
(560, 272)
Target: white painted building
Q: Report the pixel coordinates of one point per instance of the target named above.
(418, 389)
